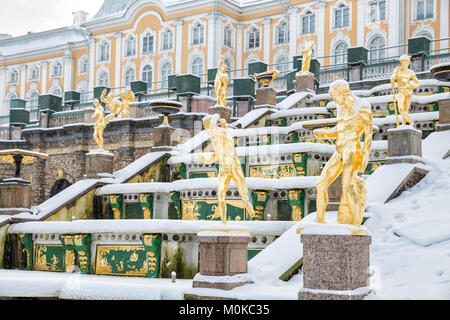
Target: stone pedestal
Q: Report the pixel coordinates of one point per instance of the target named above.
(444, 115)
(335, 262)
(404, 145)
(14, 193)
(304, 82)
(223, 111)
(266, 96)
(99, 162)
(162, 138)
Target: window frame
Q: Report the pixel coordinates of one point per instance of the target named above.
(425, 11)
(341, 8)
(308, 15)
(167, 34)
(148, 40)
(99, 80)
(146, 71)
(104, 51)
(198, 34)
(337, 56)
(255, 32)
(377, 11)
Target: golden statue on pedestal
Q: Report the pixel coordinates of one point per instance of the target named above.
(354, 118)
(221, 83)
(403, 76)
(100, 124)
(306, 56)
(229, 165)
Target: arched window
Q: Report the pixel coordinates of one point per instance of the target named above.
(198, 34)
(147, 74)
(340, 53)
(197, 66)
(8, 99)
(104, 51)
(130, 76)
(83, 65)
(282, 65)
(34, 100)
(130, 46)
(167, 39)
(166, 70)
(14, 76)
(147, 44)
(34, 73)
(103, 80)
(227, 36)
(56, 92)
(57, 70)
(308, 23)
(341, 16)
(282, 33)
(377, 49)
(253, 38)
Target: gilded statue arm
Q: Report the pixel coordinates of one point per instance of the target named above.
(366, 127)
(206, 162)
(102, 97)
(414, 78)
(326, 134)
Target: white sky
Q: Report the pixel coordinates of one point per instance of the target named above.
(17, 17)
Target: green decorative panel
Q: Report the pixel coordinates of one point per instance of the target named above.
(300, 163)
(294, 137)
(180, 172)
(72, 96)
(152, 244)
(372, 166)
(50, 102)
(116, 204)
(419, 45)
(297, 62)
(188, 84)
(259, 199)
(19, 116)
(433, 107)
(252, 253)
(244, 88)
(391, 108)
(256, 67)
(98, 92)
(146, 205)
(139, 87)
(204, 174)
(212, 75)
(133, 211)
(296, 201)
(49, 258)
(272, 171)
(17, 104)
(284, 211)
(27, 251)
(172, 82)
(311, 206)
(175, 207)
(357, 55)
(444, 89)
(209, 210)
(121, 260)
(290, 78)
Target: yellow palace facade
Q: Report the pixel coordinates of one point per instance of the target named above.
(148, 40)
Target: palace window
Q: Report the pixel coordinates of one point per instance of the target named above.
(14, 76)
(147, 44)
(130, 46)
(424, 9)
(166, 70)
(34, 74)
(83, 94)
(167, 40)
(340, 53)
(377, 10)
(130, 76)
(57, 69)
(342, 17)
(10, 97)
(147, 74)
(253, 38)
(309, 23)
(282, 65)
(197, 66)
(83, 65)
(282, 33)
(198, 34)
(377, 49)
(33, 100)
(103, 80)
(227, 36)
(56, 92)
(104, 51)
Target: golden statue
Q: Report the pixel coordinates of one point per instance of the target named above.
(221, 83)
(126, 96)
(306, 56)
(403, 76)
(229, 165)
(354, 118)
(100, 124)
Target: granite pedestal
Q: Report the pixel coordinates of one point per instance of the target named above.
(335, 262)
(404, 145)
(266, 96)
(304, 82)
(162, 138)
(14, 193)
(223, 111)
(99, 162)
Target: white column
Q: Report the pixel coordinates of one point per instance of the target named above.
(211, 40)
(44, 77)
(239, 48)
(23, 80)
(265, 40)
(320, 18)
(3, 80)
(91, 76)
(293, 32)
(68, 71)
(219, 36)
(393, 36)
(444, 24)
(360, 23)
(179, 45)
(118, 61)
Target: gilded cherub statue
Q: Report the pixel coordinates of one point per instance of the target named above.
(114, 105)
(100, 124)
(229, 165)
(354, 118)
(221, 83)
(126, 96)
(306, 56)
(403, 76)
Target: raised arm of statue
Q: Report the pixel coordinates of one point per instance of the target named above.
(366, 127)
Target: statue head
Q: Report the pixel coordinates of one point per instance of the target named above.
(210, 122)
(340, 91)
(405, 60)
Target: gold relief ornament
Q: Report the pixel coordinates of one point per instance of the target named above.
(229, 164)
(306, 57)
(221, 83)
(354, 118)
(403, 76)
